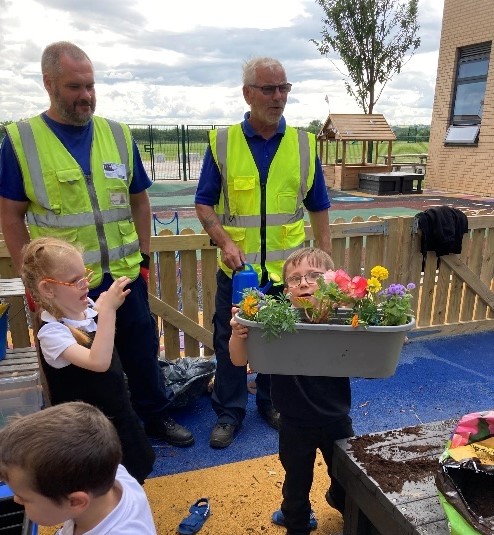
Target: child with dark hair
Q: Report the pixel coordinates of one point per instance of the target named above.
(78, 355)
(62, 464)
(314, 411)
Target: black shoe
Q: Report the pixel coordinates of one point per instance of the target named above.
(171, 432)
(332, 503)
(222, 435)
(272, 416)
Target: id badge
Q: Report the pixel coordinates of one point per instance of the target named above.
(118, 198)
(115, 170)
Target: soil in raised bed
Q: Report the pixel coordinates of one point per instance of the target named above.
(391, 474)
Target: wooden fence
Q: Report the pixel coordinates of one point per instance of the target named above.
(453, 297)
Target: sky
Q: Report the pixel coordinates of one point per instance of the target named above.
(156, 64)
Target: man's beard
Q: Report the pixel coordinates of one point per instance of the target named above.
(68, 113)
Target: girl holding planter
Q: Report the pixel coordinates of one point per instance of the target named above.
(314, 411)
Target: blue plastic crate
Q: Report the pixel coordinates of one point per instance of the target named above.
(13, 520)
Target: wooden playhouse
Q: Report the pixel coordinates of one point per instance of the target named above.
(351, 135)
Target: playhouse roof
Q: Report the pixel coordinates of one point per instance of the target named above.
(356, 127)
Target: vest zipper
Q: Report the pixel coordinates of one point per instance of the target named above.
(264, 272)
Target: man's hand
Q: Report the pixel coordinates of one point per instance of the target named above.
(232, 256)
(144, 271)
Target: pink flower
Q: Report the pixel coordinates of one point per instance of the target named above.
(329, 275)
(357, 287)
(341, 278)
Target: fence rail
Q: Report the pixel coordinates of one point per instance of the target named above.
(452, 297)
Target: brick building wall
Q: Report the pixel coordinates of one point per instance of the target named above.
(467, 169)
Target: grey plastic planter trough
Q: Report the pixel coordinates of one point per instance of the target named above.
(327, 350)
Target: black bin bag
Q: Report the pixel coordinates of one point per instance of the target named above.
(188, 378)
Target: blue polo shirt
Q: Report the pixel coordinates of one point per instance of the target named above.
(77, 140)
(263, 150)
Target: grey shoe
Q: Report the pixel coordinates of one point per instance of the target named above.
(222, 435)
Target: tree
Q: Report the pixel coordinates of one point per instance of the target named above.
(314, 126)
(372, 38)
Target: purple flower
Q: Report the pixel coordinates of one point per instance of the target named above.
(410, 286)
(395, 290)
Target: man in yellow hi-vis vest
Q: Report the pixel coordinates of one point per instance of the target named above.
(80, 177)
(256, 179)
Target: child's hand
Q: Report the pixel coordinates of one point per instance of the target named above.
(114, 296)
(241, 331)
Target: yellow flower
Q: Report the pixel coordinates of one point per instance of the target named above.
(249, 306)
(355, 320)
(379, 272)
(374, 285)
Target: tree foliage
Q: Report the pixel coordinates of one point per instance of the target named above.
(372, 38)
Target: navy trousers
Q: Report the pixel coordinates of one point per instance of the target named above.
(229, 397)
(137, 344)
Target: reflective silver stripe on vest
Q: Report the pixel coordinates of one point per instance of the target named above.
(253, 221)
(271, 256)
(33, 162)
(119, 136)
(304, 155)
(94, 257)
(76, 220)
(221, 144)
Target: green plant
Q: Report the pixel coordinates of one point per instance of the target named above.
(366, 301)
(276, 314)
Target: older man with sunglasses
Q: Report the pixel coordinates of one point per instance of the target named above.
(256, 179)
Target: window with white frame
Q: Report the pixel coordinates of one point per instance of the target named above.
(468, 97)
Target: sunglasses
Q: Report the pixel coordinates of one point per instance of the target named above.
(271, 89)
(79, 284)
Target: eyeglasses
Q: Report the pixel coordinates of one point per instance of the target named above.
(79, 284)
(310, 278)
(271, 89)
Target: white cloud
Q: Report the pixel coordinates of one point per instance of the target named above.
(183, 65)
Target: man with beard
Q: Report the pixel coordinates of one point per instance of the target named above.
(80, 178)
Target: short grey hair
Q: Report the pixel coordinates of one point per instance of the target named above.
(50, 60)
(250, 67)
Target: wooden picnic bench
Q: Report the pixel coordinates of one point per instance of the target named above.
(416, 162)
(389, 480)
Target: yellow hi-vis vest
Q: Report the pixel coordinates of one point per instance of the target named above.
(245, 210)
(92, 211)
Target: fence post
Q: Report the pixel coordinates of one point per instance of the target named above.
(184, 154)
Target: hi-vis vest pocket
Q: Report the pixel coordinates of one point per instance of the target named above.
(237, 235)
(292, 234)
(243, 193)
(117, 194)
(286, 203)
(68, 193)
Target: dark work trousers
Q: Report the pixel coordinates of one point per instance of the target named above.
(297, 449)
(229, 396)
(137, 344)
